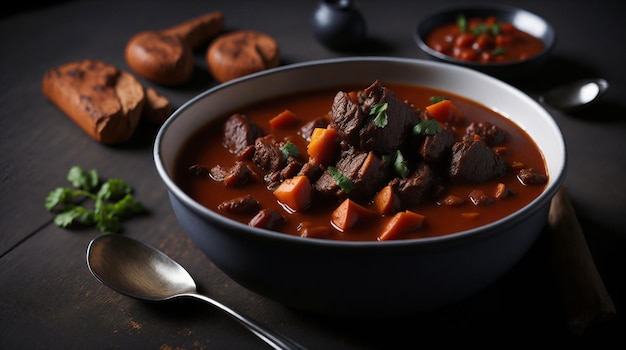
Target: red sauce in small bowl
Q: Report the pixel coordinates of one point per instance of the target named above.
(484, 40)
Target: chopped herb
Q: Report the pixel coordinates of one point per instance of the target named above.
(427, 127)
(461, 21)
(479, 29)
(83, 179)
(113, 202)
(289, 149)
(498, 51)
(435, 99)
(401, 166)
(380, 109)
(495, 28)
(342, 181)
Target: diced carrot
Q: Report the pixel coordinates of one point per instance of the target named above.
(284, 119)
(348, 213)
(295, 193)
(401, 223)
(386, 201)
(444, 111)
(353, 96)
(322, 146)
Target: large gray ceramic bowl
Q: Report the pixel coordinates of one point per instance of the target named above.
(522, 19)
(361, 278)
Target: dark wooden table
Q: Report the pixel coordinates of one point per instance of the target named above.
(49, 300)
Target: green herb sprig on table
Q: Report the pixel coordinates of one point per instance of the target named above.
(112, 202)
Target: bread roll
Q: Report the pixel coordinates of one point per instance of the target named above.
(105, 102)
(240, 53)
(166, 57)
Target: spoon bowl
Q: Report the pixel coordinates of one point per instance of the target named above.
(143, 272)
(576, 95)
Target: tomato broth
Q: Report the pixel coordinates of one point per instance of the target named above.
(484, 40)
(206, 148)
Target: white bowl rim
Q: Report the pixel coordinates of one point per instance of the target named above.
(556, 180)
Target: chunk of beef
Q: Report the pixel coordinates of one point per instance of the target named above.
(267, 218)
(436, 148)
(346, 117)
(530, 176)
(414, 188)
(311, 170)
(240, 132)
(474, 162)
(267, 154)
(367, 172)
(291, 168)
(274, 178)
(479, 197)
(231, 176)
(354, 123)
(400, 120)
(245, 205)
(307, 129)
(490, 133)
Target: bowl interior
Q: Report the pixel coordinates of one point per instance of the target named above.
(226, 98)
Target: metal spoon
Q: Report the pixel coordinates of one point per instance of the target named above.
(143, 272)
(576, 95)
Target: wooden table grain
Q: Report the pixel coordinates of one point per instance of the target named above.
(49, 300)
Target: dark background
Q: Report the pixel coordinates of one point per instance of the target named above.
(50, 300)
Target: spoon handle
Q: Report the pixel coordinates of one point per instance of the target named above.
(272, 338)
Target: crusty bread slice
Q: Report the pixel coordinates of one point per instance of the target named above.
(104, 101)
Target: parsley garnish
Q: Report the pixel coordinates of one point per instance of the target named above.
(427, 127)
(342, 181)
(435, 99)
(380, 109)
(461, 22)
(113, 202)
(400, 165)
(289, 149)
(498, 51)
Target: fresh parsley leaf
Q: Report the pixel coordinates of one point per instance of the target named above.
(114, 189)
(113, 201)
(427, 127)
(400, 165)
(435, 99)
(479, 29)
(495, 28)
(127, 207)
(342, 181)
(461, 22)
(289, 149)
(498, 51)
(77, 215)
(83, 179)
(380, 109)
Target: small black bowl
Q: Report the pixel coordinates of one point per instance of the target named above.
(522, 19)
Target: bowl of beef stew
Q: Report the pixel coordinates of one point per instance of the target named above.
(362, 187)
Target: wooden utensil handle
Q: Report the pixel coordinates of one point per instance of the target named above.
(584, 295)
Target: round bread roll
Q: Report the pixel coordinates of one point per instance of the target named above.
(240, 53)
(160, 57)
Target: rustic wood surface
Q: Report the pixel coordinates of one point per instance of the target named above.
(49, 300)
